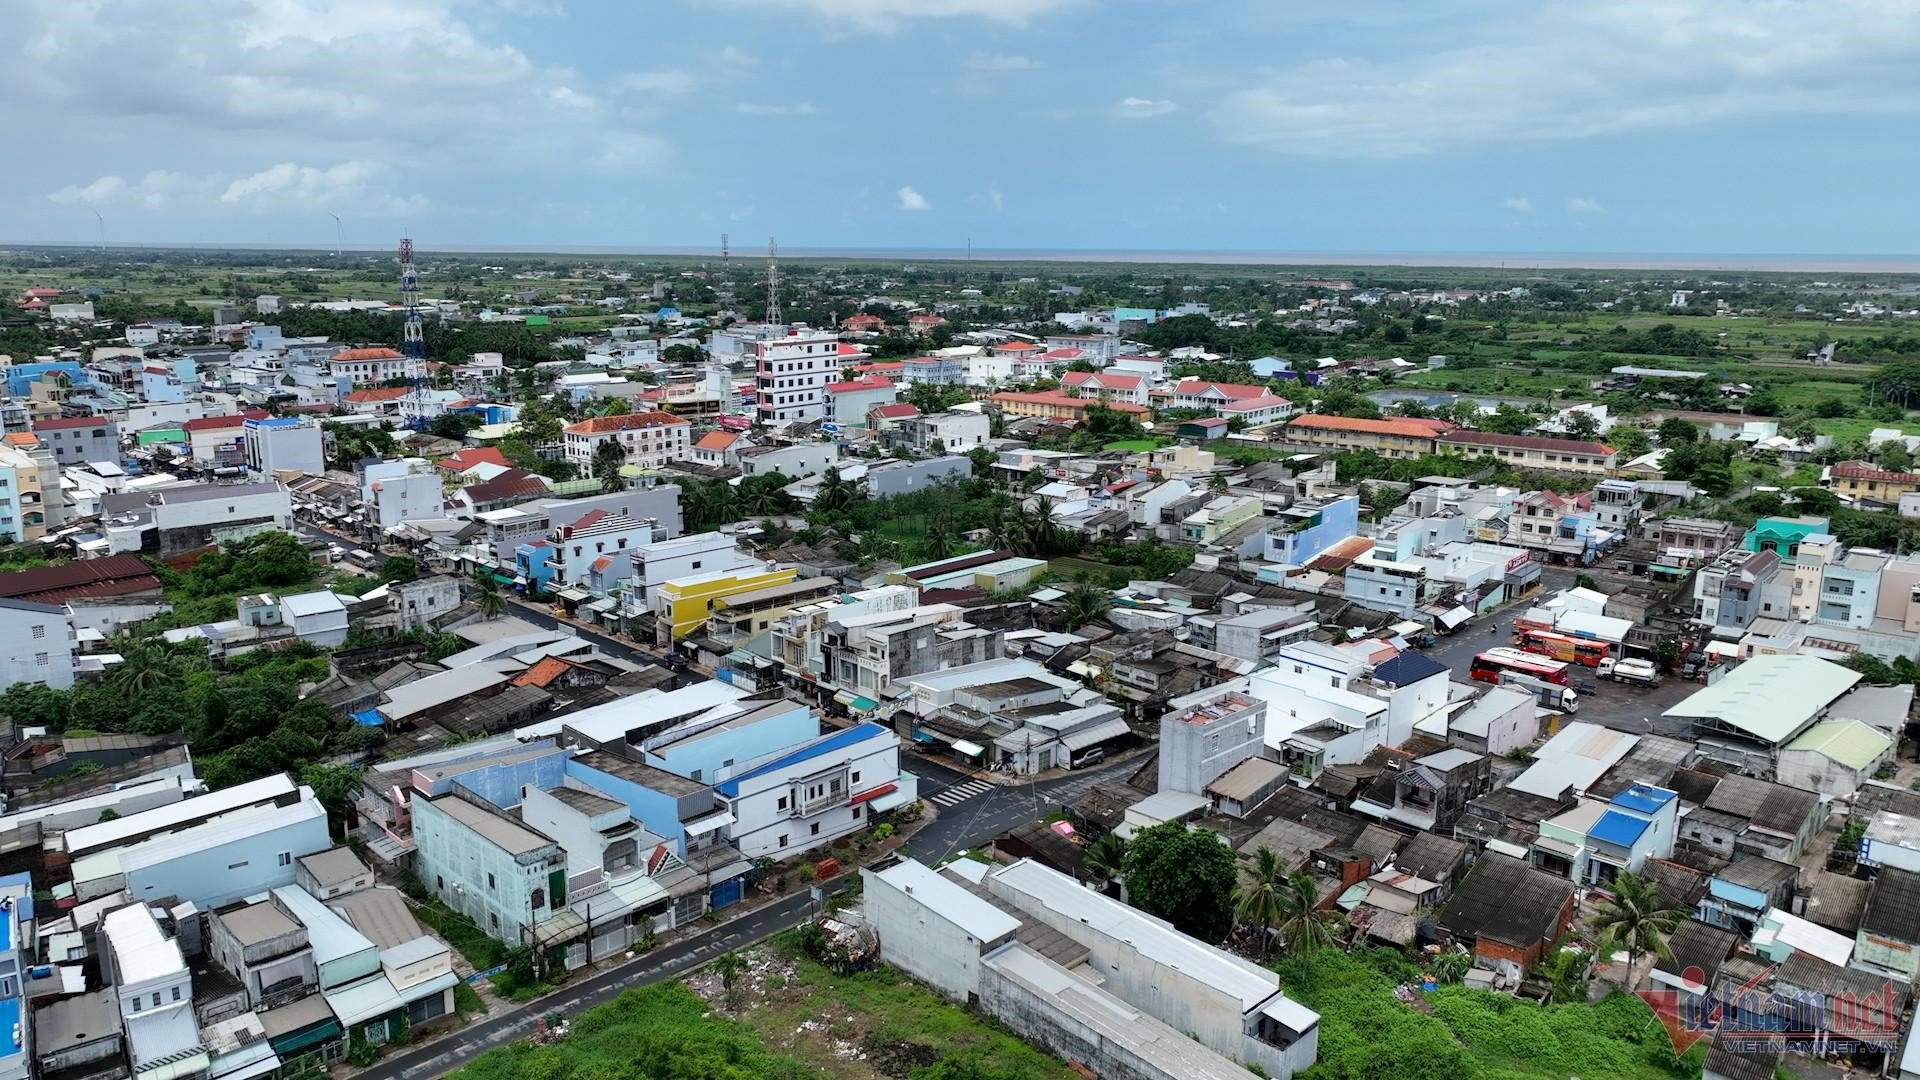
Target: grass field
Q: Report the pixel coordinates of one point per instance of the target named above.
(1138, 446)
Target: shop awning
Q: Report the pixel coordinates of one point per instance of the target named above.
(893, 800)
(970, 749)
(504, 579)
(573, 594)
(703, 825)
(1559, 847)
(605, 603)
(863, 704)
(868, 796)
(1454, 617)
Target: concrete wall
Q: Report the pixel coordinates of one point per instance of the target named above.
(242, 864)
(36, 647)
(1193, 755)
(479, 879)
(918, 941)
(1042, 1022)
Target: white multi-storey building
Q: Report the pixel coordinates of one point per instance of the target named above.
(372, 365)
(804, 796)
(650, 439)
(36, 644)
(155, 992)
(792, 373)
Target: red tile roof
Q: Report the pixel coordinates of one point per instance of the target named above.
(1201, 386)
(1254, 404)
(880, 365)
(850, 350)
(869, 382)
(374, 353)
(898, 410)
(1061, 397)
(114, 575)
(1863, 470)
(64, 423)
(717, 440)
(607, 425)
(1017, 346)
(1465, 437)
(1102, 380)
(378, 393)
(543, 673)
(1409, 428)
(511, 484)
(211, 423)
(461, 461)
(588, 519)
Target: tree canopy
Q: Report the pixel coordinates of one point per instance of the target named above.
(1185, 876)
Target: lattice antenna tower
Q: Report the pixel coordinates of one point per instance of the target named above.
(773, 282)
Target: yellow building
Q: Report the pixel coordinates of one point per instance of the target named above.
(1864, 480)
(682, 606)
(30, 497)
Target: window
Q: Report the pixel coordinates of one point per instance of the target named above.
(816, 828)
(237, 865)
(494, 919)
(286, 858)
(176, 993)
(539, 899)
(156, 999)
(39, 631)
(782, 804)
(696, 564)
(854, 778)
(783, 839)
(440, 883)
(40, 659)
(136, 1003)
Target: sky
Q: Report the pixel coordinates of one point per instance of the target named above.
(1645, 126)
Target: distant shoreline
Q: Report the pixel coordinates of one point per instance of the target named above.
(1518, 260)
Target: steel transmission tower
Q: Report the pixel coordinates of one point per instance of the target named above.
(773, 282)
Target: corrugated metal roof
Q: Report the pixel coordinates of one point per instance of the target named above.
(1849, 742)
(1770, 697)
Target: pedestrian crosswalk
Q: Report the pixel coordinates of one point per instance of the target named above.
(959, 793)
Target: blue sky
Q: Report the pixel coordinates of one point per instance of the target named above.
(1696, 126)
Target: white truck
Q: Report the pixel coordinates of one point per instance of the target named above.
(1552, 695)
(1635, 672)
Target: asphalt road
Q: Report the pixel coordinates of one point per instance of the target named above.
(968, 824)
(1633, 709)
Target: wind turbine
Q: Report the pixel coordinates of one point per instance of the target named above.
(339, 233)
(102, 222)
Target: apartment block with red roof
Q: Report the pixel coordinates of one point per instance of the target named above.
(849, 401)
(376, 364)
(1532, 451)
(76, 440)
(1107, 386)
(650, 439)
(1403, 438)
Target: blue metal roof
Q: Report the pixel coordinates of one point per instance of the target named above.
(839, 740)
(1618, 829)
(1408, 668)
(1643, 799)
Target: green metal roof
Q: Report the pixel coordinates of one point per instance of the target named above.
(1770, 697)
(1849, 742)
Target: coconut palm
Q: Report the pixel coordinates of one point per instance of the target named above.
(723, 502)
(1040, 528)
(1302, 926)
(1257, 902)
(144, 667)
(728, 965)
(1106, 857)
(492, 604)
(836, 493)
(1636, 918)
(1085, 602)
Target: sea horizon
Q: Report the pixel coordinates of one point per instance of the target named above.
(1774, 262)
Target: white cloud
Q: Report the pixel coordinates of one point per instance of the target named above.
(1518, 203)
(153, 191)
(1139, 108)
(346, 186)
(992, 62)
(675, 81)
(995, 200)
(104, 190)
(885, 16)
(228, 82)
(1566, 71)
(1580, 205)
(910, 199)
(798, 108)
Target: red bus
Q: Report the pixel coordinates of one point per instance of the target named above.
(1488, 666)
(1587, 652)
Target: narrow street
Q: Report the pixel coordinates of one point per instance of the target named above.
(969, 824)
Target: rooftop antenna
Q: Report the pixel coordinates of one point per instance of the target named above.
(726, 269)
(102, 223)
(339, 234)
(412, 342)
(773, 282)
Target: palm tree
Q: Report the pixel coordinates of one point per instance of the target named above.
(144, 667)
(1302, 926)
(492, 604)
(1636, 917)
(723, 502)
(1107, 857)
(1040, 528)
(729, 965)
(1086, 602)
(608, 460)
(836, 494)
(1257, 903)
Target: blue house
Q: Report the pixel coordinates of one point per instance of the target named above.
(1638, 824)
(21, 377)
(1740, 895)
(531, 568)
(1268, 367)
(1308, 528)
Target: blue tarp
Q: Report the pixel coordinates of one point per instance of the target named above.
(368, 717)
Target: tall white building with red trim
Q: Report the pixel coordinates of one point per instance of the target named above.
(794, 371)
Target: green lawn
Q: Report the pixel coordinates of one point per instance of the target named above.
(1137, 446)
